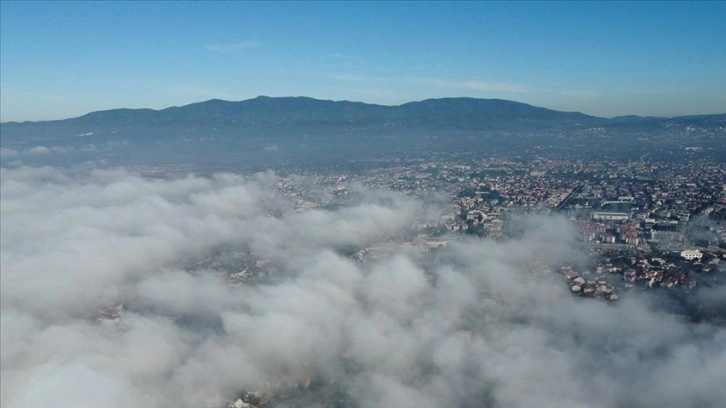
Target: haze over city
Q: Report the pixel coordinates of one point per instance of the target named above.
(62, 60)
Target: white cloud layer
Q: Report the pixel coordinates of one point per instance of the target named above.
(469, 327)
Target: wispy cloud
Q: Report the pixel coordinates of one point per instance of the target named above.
(347, 59)
(354, 77)
(472, 85)
(581, 93)
(201, 91)
(379, 94)
(234, 47)
(21, 92)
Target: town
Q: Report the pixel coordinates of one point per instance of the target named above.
(647, 225)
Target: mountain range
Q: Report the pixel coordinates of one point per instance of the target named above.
(270, 123)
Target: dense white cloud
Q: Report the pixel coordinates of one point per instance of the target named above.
(469, 326)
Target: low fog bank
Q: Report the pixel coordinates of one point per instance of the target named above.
(471, 325)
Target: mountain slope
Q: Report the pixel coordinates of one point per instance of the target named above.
(305, 114)
(267, 130)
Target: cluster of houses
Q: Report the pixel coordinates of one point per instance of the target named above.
(599, 289)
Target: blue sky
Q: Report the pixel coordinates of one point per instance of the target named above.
(61, 60)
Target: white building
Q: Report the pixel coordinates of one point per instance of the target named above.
(691, 254)
(609, 216)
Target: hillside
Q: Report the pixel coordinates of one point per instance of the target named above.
(301, 129)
